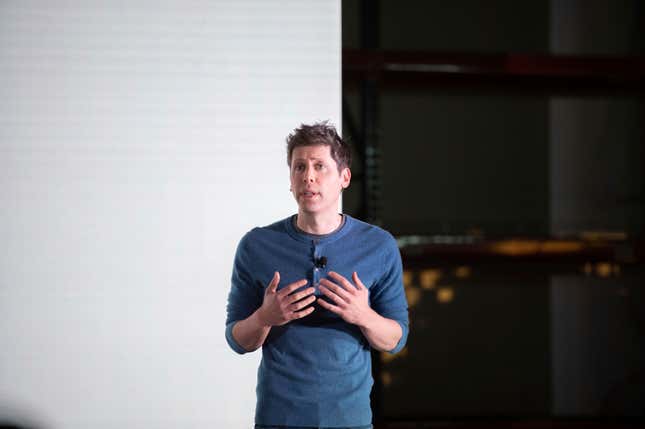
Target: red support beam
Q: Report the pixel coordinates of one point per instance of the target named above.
(521, 73)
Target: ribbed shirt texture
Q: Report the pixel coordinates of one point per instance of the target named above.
(316, 371)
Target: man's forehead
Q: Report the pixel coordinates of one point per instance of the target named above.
(312, 152)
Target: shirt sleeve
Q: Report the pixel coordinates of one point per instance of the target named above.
(245, 296)
(387, 297)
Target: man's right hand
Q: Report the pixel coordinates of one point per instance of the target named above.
(285, 305)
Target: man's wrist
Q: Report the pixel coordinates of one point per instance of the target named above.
(260, 319)
(369, 319)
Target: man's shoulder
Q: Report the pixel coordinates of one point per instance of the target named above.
(369, 231)
(267, 232)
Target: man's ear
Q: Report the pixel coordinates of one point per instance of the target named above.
(346, 177)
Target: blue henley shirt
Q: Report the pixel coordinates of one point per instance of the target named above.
(316, 371)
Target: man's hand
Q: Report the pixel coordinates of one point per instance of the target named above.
(348, 301)
(283, 306)
(352, 304)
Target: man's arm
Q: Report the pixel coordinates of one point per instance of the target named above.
(382, 333)
(278, 308)
(352, 304)
(251, 333)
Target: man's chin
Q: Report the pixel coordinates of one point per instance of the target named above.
(307, 209)
(310, 209)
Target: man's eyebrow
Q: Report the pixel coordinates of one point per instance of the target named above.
(306, 159)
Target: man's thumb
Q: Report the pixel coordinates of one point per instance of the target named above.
(273, 286)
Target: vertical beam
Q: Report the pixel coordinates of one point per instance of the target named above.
(371, 195)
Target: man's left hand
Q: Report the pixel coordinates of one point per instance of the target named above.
(349, 301)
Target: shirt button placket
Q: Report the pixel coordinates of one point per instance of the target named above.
(316, 270)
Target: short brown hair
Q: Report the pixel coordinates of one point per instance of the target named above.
(320, 133)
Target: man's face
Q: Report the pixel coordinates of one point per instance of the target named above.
(315, 181)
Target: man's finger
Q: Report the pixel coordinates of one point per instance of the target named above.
(343, 281)
(303, 313)
(334, 297)
(291, 287)
(273, 286)
(297, 296)
(297, 306)
(358, 281)
(328, 306)
(335, 288)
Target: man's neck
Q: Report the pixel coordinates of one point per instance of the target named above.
(318, 225)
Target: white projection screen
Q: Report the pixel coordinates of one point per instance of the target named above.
(139, 140)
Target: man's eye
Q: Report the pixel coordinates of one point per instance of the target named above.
(319, 166)
(300, 167)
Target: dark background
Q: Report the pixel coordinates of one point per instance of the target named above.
(502, 143)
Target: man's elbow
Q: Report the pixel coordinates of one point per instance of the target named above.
(386, 348)
(390, 345)
(232, 342)
(401, 339)
(393, 347)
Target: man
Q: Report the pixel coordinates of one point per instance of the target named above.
(316, 291)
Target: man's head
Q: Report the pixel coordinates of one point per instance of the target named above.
(319, 168)
(323, 134)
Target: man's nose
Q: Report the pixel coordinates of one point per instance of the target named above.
(309, 175)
